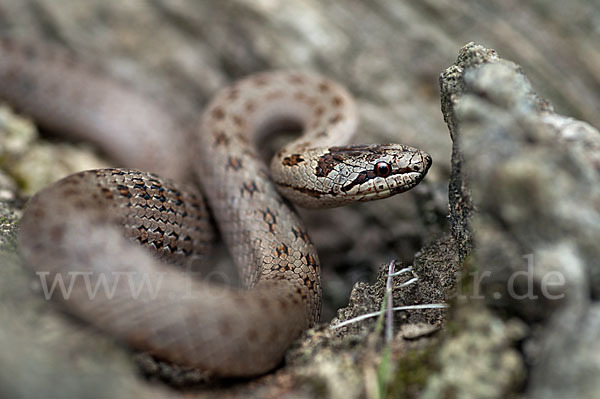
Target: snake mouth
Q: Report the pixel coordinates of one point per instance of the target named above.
(413, 175)
(410, 180)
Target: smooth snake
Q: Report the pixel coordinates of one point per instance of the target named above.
(87, 227)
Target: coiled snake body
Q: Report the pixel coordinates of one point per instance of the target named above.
(75, 228)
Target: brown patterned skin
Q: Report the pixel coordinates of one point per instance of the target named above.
(121, 226)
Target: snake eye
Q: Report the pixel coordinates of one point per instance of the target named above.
(383, 169)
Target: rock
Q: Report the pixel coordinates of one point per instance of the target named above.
(524, 200)
(36, 163)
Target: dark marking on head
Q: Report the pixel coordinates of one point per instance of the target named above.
(327, 162)
(337, 101)
(370, 152)
(292, 160)
(325, 165)
(362, 177)
(318, 111)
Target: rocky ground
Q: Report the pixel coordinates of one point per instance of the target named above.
(516, 262)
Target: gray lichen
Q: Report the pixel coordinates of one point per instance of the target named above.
(33, 163)
(524, 200)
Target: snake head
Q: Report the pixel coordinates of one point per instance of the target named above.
(380, 171)
(334, 176)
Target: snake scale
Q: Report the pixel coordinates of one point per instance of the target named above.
(87, 228)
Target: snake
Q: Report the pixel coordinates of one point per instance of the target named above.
(126, 242)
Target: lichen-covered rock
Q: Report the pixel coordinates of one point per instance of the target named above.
(33, 163)
(478, 357)
(525, 201)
